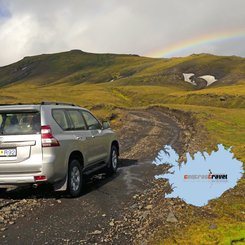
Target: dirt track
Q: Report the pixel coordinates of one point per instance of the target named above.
(112, 210)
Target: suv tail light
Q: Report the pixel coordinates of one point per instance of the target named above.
(40, 178)
(48, 140)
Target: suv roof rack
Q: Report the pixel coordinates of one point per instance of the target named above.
(42, 103)
(12, 104)
(56, 103)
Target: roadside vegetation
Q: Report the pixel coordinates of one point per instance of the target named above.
(106, 82)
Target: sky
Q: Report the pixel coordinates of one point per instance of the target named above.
(153, 28)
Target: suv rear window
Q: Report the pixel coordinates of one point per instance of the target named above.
(16, 123)
(77, 120)
(60, 117)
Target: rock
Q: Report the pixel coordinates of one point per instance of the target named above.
(144, 215)
(112, 223)
(148, 207)
(213, 227)
(16, 215)
(103, 215)
(171, 203)
(11, 222)
(58, 201)
(134, 206)
(171, 217)
(96, 232)
(3, 229)
(222, 98)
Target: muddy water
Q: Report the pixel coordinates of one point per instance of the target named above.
(201, 178)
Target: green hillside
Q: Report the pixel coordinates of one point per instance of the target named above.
(72, 67)
(160, 80)
(78, 67)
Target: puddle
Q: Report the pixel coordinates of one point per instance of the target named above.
(201, 178)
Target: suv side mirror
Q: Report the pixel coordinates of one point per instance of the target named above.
(105, 124)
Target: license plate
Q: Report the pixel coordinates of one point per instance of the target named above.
(8, 152)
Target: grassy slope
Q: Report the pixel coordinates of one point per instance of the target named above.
(86, 79)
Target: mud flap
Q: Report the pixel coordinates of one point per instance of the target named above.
(61, 185)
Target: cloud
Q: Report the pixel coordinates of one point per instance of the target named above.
(139, 26)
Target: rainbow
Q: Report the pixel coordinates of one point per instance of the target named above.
(195, 42)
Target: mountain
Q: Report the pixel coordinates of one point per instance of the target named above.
(78, 67)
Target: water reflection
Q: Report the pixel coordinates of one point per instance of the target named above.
(201, 178)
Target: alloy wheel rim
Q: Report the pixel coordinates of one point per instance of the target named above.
(114, 159)
(75, 178)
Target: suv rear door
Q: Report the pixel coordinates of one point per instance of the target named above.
(20, 141)
(100, 140)
(82, 134)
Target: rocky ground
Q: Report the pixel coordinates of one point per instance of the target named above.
(127, 208)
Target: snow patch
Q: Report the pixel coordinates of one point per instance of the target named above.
(210, 79)
(190, 78)
(187, 77)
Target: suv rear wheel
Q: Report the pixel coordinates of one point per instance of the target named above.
(75, 178)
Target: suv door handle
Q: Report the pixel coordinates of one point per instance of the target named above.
(80, 138)
(92, 136)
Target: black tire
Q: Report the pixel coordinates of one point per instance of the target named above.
(113, 162)
(75, 178)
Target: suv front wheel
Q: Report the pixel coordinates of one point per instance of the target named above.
(75, 179)
(113, 162)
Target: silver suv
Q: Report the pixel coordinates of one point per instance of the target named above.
(54, 143)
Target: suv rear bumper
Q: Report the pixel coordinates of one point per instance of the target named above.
(16, 180)
(46, 168)
(27, 178)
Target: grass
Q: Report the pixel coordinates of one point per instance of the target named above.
(226, 233)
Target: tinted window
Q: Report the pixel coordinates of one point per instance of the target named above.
(60, 117)
(20, 123)
(91, 121)
(77, 120)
